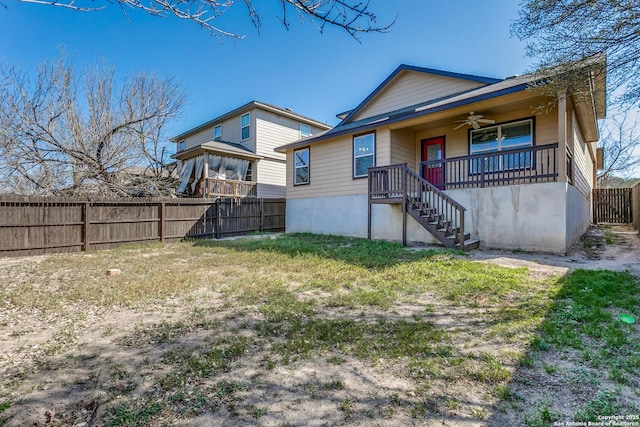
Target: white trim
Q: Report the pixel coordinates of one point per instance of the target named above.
(305, 134)
(355, 156)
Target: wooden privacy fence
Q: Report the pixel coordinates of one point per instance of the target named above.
(30, 225)
(612, 205)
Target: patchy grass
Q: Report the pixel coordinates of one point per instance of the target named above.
(342, 329)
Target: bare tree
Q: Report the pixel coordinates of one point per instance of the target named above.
(354, 16)
(564, 32)
(620, 139)
(64, 135)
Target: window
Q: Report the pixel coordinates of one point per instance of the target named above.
(364, 149)
(249, 175)
(301, 166)
(305, 130)
(181, 145)
(217, 132)
(246, 125)
(502, 138)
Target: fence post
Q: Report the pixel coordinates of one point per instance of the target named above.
(85, 227)
(218, 219)
(161, 213)
(261, 214)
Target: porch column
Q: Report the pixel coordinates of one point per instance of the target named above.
(562, 137)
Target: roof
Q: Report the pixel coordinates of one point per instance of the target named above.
(499, 88)
(249, 106)
(221, 147)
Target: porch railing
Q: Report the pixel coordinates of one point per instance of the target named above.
(399, 182)
(509, 167)
(229, 188)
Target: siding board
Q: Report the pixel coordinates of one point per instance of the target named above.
(411, 88)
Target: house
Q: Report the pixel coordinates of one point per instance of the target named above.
(237, 149)
(436, 156)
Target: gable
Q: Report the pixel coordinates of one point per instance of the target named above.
(410, 88)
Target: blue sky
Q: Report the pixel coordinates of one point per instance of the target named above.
(318, 75)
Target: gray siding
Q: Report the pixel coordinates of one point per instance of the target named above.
(231, 132)
(271, 178)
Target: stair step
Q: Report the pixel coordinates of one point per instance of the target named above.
(469, 245)
(467, 236)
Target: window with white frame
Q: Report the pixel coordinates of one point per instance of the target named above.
(364, 154)
(246, 125)
(305, 130)
(249, 174)
(502, 138)
(217, 132)
(301, 166)
(181, 145)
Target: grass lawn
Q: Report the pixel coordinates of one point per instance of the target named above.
(310, 330)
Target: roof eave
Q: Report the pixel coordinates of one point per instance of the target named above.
(200, 149)
(246, 107)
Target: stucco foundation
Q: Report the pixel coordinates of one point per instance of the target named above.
(545, 217)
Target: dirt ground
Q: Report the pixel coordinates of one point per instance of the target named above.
(71, 389)
(592, 252)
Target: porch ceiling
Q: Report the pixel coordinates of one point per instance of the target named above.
(488, 108)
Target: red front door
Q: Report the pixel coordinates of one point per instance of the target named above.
(433, 149)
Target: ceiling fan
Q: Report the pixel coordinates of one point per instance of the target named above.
(474, 121)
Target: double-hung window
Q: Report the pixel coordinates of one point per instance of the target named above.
(181, 145)
(364, 154)
(301, 166)
(305, 130)
(246, 125)
(501, 139)
(217, 132)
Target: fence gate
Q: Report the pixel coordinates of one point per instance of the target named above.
(612, 205)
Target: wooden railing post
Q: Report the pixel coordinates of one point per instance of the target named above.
(369, 189)
(405, 197)
(461, 230)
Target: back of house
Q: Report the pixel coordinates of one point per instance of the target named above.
(436, 156)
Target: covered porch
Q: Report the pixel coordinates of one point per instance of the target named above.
(511, 144)
(217, 169)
